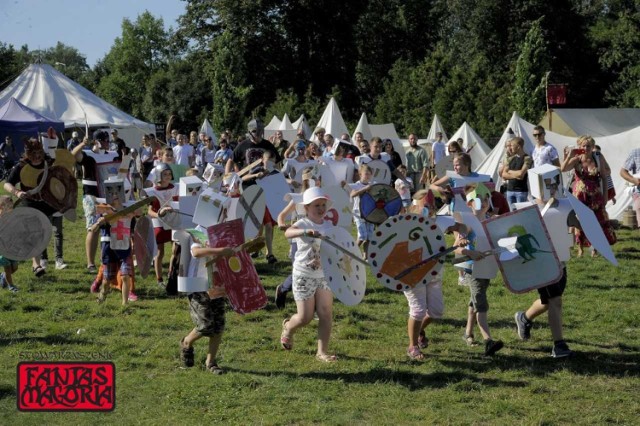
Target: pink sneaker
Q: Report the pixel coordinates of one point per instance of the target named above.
(95, 287)
(132, 297)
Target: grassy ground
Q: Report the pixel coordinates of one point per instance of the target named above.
(373, 383)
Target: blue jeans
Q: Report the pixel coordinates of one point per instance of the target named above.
(516, 197)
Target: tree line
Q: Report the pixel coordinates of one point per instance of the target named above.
(399, 61)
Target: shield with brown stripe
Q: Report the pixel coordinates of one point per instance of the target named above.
(60, 190)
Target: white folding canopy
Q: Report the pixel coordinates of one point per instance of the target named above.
(52, 94)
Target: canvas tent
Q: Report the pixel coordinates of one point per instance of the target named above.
(19, 121)
(472, 142)
(615, 148)
(270, 129)
(301, 123)
(331, 121)
(591, 121)
(436, 126)
(50, 93)
(207, 129)
(383, 131)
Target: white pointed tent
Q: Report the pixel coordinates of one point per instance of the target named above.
(301, 123)
(331, 121)
(207, 129)
(383, 131)
(615, 148)
(591, 121)
(288, 131)
(436, 126)
(471, 140)
(52, 94)
(271, 128)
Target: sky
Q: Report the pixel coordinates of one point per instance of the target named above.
(91, 26)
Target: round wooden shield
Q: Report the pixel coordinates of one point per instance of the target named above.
(250, 209)
(346, 277)
(60, 190)
(445, 164)
(398, 247)
(24, 233)
(143, 250)
(379, 203)
(380, 172)
(340, 212)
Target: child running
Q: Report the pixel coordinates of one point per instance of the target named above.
(364, 228)
(310, 289)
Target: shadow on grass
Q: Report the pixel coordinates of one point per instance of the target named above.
(49, 339)
(7, 391)
(411, 380)
(583, 362)
(609, 286)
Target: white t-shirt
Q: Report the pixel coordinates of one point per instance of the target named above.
(339, 167)
(295, 167)
(181, 153)
(307, 259)
(356, 200)
(544, 154)
(438, 150)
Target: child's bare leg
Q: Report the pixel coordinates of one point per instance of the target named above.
(306, 309)
(188, 341)
(365, 247)
(425, 322)
(413, 330)
(324, 309)
(536, 309)
(483, 325)
(158, 262)
(104, 290)
(471, 321)
(126, 285)
(214, 344)
(268, 238)
(91, 247)
(555, 317)
(8, 273)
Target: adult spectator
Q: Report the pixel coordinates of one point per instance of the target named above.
(454, 148)
(246, 153)
(327, 151)
(281, 145)
(208, 151)
(438, 149)
(172, 139)
(365, 149)
(514, 172)
(224, 153)
(146, 156)
(391, 152)
(117, 144)
(8, 153)
(320, 132)
(544, 152)
(74, 141)
(417, 163)
(630, 172)
(184, 153)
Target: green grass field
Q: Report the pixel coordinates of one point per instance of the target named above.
(373, 383)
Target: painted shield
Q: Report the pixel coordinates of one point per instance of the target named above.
(340, 212)
(143, 246)
(237, 273)
(380, 172)
(24, 233)
(250, 210)
(401, 243)
(275, 187)
(592, 228)
(346, 276)
(60, 191)
(537, 264)
(379, 203)
(445, 164)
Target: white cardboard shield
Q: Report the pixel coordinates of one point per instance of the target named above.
(346, 277)
(380, 172)
(250, 209)
(592, 229)
(275, 187)
(537, 264)
(340, 212)
(400, 243)
(209, 208)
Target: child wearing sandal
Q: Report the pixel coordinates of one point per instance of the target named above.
(310, 289)
(207, 309)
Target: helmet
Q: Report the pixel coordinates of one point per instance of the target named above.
(256, 128)
(158, 171)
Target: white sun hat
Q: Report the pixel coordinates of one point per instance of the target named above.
(314, 193)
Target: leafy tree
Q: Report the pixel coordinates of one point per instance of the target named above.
(528, 93)
(142, 49)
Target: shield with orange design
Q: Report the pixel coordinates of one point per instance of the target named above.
(407, 250)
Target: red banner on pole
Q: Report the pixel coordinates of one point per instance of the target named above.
(557, 94)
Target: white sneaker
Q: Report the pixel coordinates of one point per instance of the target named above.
(60, 264)
(44, 263)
